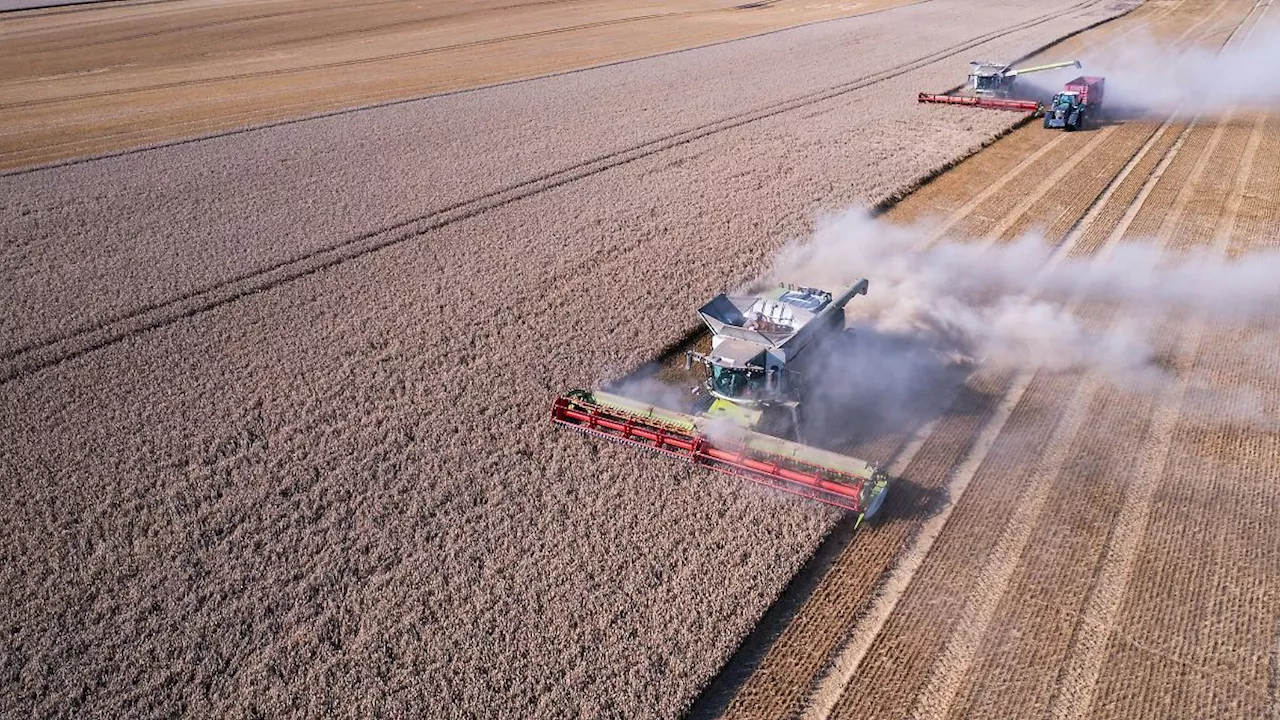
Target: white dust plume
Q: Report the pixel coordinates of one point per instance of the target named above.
(1016, 306)
(1145, 75)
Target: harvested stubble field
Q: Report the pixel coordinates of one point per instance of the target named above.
(275, 401)
(1097, 553)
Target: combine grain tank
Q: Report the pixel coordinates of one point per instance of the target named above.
(763, 346)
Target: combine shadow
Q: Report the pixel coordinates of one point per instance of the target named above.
(870, 386)
(865, 389)
(909, 499)
(666, 381)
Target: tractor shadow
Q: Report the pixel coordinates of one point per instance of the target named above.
(1110, 117)
(1113, 114)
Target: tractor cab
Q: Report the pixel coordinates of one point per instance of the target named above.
(1067, 101)
(1066, 111)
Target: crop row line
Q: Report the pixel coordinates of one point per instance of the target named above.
(849, 656)
(847, 662)
(1078, 677)
(1096, 623)
(992, 585)
(29, 358)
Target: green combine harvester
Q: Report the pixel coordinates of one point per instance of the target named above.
(762, 349)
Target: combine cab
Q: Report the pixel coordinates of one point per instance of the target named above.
(762, 349)
(763, 346)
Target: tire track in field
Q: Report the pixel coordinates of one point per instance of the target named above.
(956, 659)
(993, 189)
(850, 658)
(88, 5)
(851, 655)
(31, 357)
(1273, 684)
(1094, 628)
(1049, 183)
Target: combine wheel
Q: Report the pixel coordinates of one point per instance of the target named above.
(581, 395)
(872, 496)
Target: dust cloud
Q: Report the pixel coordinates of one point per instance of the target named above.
(1018, 306)
(1148, 77)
